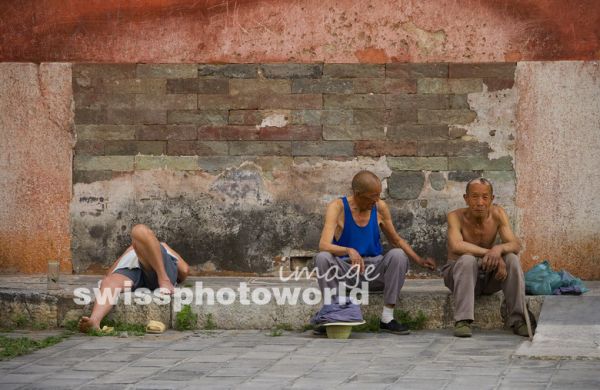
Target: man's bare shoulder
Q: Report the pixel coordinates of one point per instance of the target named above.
(499, 214)
(457, 213)
(382, 205)
(336, 204)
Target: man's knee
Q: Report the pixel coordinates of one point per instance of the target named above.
(398, 256)
(466, 262)
(140, 231)
(323, 260)
(512, 261)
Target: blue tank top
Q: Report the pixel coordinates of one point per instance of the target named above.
(364, 239)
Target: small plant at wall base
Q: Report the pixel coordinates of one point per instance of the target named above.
(186, 319)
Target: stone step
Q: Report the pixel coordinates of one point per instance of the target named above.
(25, 299)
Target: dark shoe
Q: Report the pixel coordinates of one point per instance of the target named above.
(463, 329)
(520, 328)
(393, 327)
(320, 331)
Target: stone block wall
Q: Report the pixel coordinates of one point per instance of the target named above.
(234, 164)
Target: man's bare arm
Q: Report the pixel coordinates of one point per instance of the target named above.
(456, 243)
(394, 238)
(510, 243)
(326, 241)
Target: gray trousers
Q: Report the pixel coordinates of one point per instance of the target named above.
(389, 273)
(463, 278)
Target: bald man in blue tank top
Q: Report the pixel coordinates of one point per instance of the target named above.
(350, 238)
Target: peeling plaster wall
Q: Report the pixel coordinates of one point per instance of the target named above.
(557, 161)
(36, 141)
(340, 31)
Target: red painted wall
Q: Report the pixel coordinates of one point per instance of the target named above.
(168, 31)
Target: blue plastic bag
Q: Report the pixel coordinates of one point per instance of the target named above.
(542, 280)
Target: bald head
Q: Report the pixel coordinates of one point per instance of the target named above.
(365, 181)
(481, 180)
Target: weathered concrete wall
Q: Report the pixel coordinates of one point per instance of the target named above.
(233, 165)
(36, 142)
(239, 31)
(557, 161)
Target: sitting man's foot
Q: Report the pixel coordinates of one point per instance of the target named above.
(320, 331)
(86, 324)
(462, 329)
(520, 328)
(166, 287)
(393, 327)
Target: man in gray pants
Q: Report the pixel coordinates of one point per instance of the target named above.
(476, 265)
(350, 241)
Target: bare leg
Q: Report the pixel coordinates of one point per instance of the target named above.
(147, 247)
(113, 284)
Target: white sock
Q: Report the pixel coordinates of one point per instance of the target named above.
(387, 315)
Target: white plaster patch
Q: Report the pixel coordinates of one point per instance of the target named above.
(274, 120)
(496, 121)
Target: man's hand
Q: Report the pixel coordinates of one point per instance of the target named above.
(427, 263)
(356, 260)
(501, 271)
(492, 258)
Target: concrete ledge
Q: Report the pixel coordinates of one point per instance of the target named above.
(25, 299)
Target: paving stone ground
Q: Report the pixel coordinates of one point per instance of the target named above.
(256, 360)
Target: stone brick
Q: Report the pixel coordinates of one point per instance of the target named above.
(496, 84)
(176, 163)
(103, 163)
(406, 185)
(457, 102)
(415, 102)
(290, 133)
(337, 117)
(198, 117)
(136, 116)
(354, 70)
(307, 117)
(87, 116)
(369, 85)
(322, 148)
(291, 71)
(437, 181)
(122, 148)
(197, 148)
(103, 71)
(235, 71)
(224, 102)
(213, 86)
(398, 116)
(417, 132)
(105, 132)
(89, 147)
(322, 86)
(353, 132)
(418, 163)
(385, 148)
(456, 132)
(353, 101)
(291, 102)
(463, 176)
(216, 164)
(480, 163)
(96, 101)
(163, 132)
(467, 148)
(449, 117)
(447, 86)
(259, 86)
(227, 132)
(86, 177)
(400, 85)
(369, 117)
(249, 117)
(125, 86)
(505, 70)
(183, 86)
(168, 71)
(432, 148)
(166, 102)
(260, 148)
(415, 71)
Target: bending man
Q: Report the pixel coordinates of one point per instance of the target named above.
(350, 238)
